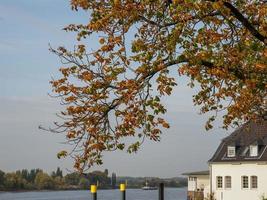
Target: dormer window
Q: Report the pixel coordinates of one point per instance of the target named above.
(253, 149)
(231, 151)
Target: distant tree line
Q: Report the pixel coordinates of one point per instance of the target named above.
(37, 179)
(138, 182)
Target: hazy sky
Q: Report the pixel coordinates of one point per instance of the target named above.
(27, 27)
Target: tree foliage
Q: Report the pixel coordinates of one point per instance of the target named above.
(37, 179)
(73, 178)
(2, 179)
(57, 173)
(14, 181)
(115, 91)
(43, 181)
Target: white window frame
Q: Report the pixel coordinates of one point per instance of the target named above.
(191, 178)
(254, 182)
(227, 182)
(253, 150)
(244, 182)
(231, 151)
(219, 182)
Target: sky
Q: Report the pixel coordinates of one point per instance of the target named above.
(27, 29)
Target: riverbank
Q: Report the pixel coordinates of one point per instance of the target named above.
(131, 194)
(78, 189)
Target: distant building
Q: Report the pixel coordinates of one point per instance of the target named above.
(106, 172)
(113, 180)
(238, 168)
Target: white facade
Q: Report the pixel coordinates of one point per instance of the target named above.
(199, 183)
(236, 171)
(238, 168)
(192, 183)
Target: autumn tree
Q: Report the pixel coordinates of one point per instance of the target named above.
(44, 181)
(72, 179)
(57, 173)
(14, 181)
(115, 91)
(32, 174)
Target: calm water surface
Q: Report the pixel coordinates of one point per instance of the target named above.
(131, 194)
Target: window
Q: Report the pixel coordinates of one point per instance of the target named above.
(253, 149)
(228, 182)
(219, 182)
(231, 151)
(254, 182)
(244, 182)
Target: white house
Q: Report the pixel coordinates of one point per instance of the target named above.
(198, 185)
(238, 169)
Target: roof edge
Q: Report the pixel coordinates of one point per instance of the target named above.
(206, 172)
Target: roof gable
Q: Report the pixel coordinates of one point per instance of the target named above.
(251, 133)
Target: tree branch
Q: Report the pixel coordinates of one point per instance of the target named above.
(245, 22)
(182, 59)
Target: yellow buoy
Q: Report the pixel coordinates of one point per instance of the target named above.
(93, 188)
(122, 187)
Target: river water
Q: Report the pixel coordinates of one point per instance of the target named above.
(131, 194)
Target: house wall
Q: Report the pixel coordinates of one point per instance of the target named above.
(201, 183)
(192, 184)
(236, 171)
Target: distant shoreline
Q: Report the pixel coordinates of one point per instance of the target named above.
(22, 191)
